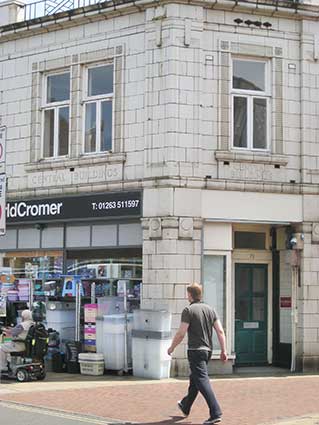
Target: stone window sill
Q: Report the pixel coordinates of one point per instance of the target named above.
(251, 157)
(85, 160)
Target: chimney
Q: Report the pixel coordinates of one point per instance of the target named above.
(11, 11)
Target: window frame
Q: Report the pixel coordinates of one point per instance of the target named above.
(250, 95)
(228, 300)
(56, 106)
(98, 100)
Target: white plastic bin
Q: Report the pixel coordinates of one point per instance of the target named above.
(110, 340)
(110, 306)
(99, 334)
(155, 320)
(91, 364)
(150, 358)
(61, 317)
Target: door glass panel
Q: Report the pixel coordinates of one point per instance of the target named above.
(258, 312)
(259, 280)
(242, 309)
(240, 122)
(242, 282)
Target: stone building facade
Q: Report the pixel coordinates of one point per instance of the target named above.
(214, 119)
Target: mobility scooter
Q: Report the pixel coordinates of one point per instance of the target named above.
(29, 364)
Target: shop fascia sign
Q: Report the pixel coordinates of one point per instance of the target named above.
(108, 205)
(3, 180)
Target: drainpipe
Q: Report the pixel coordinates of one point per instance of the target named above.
(294, 306)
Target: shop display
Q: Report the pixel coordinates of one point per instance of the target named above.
(107, 288)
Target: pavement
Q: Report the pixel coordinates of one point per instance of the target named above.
(282, 398)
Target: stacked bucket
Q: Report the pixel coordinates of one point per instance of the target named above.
(151, 338)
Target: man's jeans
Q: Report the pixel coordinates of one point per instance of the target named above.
(199, 382)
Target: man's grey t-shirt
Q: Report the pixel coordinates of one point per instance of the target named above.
(201, 318)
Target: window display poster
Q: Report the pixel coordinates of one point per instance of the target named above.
(3, 305)
(90, 313)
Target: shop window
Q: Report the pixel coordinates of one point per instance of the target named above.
(214, 287)
(98, 109)
(250, 95)
(56, 111)
(250, 240)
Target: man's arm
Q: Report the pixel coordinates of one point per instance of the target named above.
(222, 340)
(178, 338)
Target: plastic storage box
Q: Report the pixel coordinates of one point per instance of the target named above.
(61, 317)
(110, 340)
(149, 353)
(110, 306)
(155, 320)
(91, 364)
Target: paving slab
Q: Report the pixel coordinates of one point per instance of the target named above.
(248, 401)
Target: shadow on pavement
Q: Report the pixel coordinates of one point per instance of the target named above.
(173, 420)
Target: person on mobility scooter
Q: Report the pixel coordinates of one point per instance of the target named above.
(22, 359)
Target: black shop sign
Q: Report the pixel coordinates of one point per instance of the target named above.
(108, 205)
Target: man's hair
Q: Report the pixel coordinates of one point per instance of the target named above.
(195, 290)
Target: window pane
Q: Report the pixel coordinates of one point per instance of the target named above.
(249, 75)
(258, 309)
(250, 240)
(100, 80)
(90, 127)
(48, 147)
(260, 123)
(58, 88)
(240, 122)
(106, 126)
(214, 286)
(63, 131)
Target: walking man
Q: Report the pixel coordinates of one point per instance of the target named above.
(198, 320)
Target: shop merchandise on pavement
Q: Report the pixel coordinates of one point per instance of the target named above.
(283, 399)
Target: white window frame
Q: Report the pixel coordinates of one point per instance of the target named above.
(98, 99)
(250, 95)
(56, 106)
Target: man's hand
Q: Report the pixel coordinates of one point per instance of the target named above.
(170, 351)
(223, 356)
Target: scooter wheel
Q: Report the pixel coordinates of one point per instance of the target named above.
(41, 377)
(22, 375)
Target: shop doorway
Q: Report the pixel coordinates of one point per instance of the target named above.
(251, 316)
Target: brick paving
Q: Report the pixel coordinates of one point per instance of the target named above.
(246, 401)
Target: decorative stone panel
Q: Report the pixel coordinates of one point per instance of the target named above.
(186, 228)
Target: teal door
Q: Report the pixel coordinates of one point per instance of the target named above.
(251, 314)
